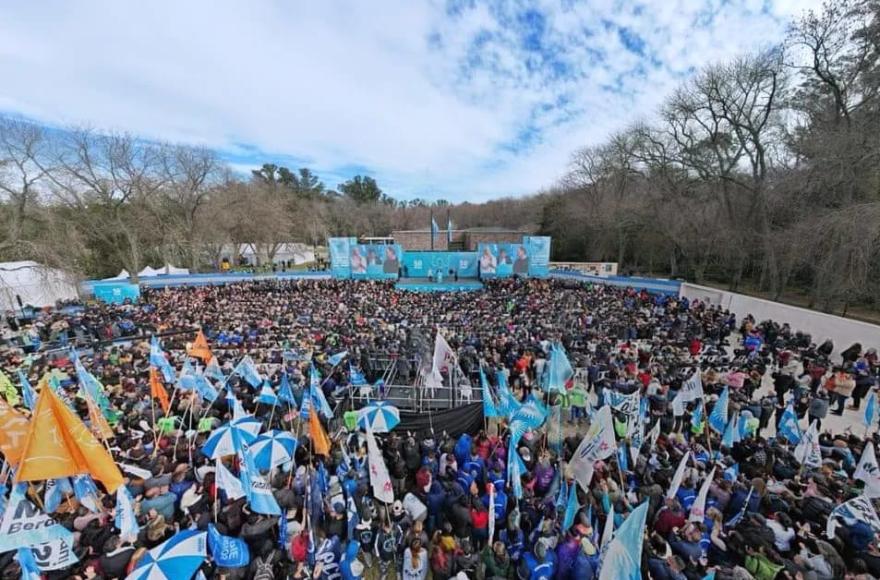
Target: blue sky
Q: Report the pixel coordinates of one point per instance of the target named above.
(462, 99)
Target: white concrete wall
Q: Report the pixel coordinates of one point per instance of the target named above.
(842, 331)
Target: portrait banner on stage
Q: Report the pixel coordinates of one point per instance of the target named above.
(375, 261)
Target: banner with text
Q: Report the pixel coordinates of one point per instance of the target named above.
(424, 264)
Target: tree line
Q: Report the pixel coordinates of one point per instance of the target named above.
(759, 173)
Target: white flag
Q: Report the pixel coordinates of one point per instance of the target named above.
(698, 509)
(678, 477)
(379, 478)
(444, 358)
(678, 405)
(868, 471)
(599, 443)
(654, 434)
(491, 512)
(228, 482)
(807, 451)
(692, 389)
(859, 509)
(608, 530)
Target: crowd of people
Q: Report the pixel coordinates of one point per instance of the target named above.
(765, 516)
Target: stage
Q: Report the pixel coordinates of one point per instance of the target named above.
(447, 285)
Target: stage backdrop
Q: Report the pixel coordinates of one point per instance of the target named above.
(340, 256)
(419, 263)
(538, 249)
(348, 259)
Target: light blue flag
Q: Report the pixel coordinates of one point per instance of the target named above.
(788, 425)
(27, 391)
(560, 370)
(267, 396)
(29, 568)
(4, 490)
(697, 416)
(732, 472)
(571, 509)
(507, 403)
(731, 433)
(357, 378)
(205, 389)
(258, 490)
(90, 386)
(562, 494)
(435, 229)
(489, 409)
(515, 470)
(871, 409)
(622, 457)
(623, 560)
(718, 416)
(214, 371)
(316, 394)
(86, 492)
(532, 414)
(56, 489)
(158, 360)
(227, 551)
(126, 520)
(247, 370)
(187, 379)
(337, 358)
(285, 393)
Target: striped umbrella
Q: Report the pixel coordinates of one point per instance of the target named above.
(382, 417)
(178, 557)
(227, 439)
(272, 449)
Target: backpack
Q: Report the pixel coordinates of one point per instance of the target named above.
(816, 510)
(263, 568)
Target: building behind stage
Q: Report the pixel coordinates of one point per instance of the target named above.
(462, 240)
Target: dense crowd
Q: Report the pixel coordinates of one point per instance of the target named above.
(766, 513)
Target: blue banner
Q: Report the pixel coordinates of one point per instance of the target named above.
(117, 293)
(531, 258)
(340, 256)
(424, 264)
(375, 261)
(503, 260)
(227, 551)
(538, 250)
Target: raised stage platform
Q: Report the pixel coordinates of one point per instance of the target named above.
(426, 285)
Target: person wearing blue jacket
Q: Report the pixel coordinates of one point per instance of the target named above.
(587, 561)
(539, 564)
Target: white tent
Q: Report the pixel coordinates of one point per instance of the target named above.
(174, 271)
(34, 284)
(124, 275)
(148, 272)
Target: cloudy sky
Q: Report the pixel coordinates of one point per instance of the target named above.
(463, 100)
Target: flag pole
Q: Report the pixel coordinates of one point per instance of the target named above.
(431, 229)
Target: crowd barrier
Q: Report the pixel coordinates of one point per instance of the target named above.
(658, 285)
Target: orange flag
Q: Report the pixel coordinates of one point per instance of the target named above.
(320, 441)
(200, 349)
(58, 444)
(13, 432)
(97, 422)
(157, 390)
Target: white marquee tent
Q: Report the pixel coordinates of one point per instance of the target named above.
(36, 285)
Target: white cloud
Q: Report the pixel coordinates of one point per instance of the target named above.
(399, 88)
